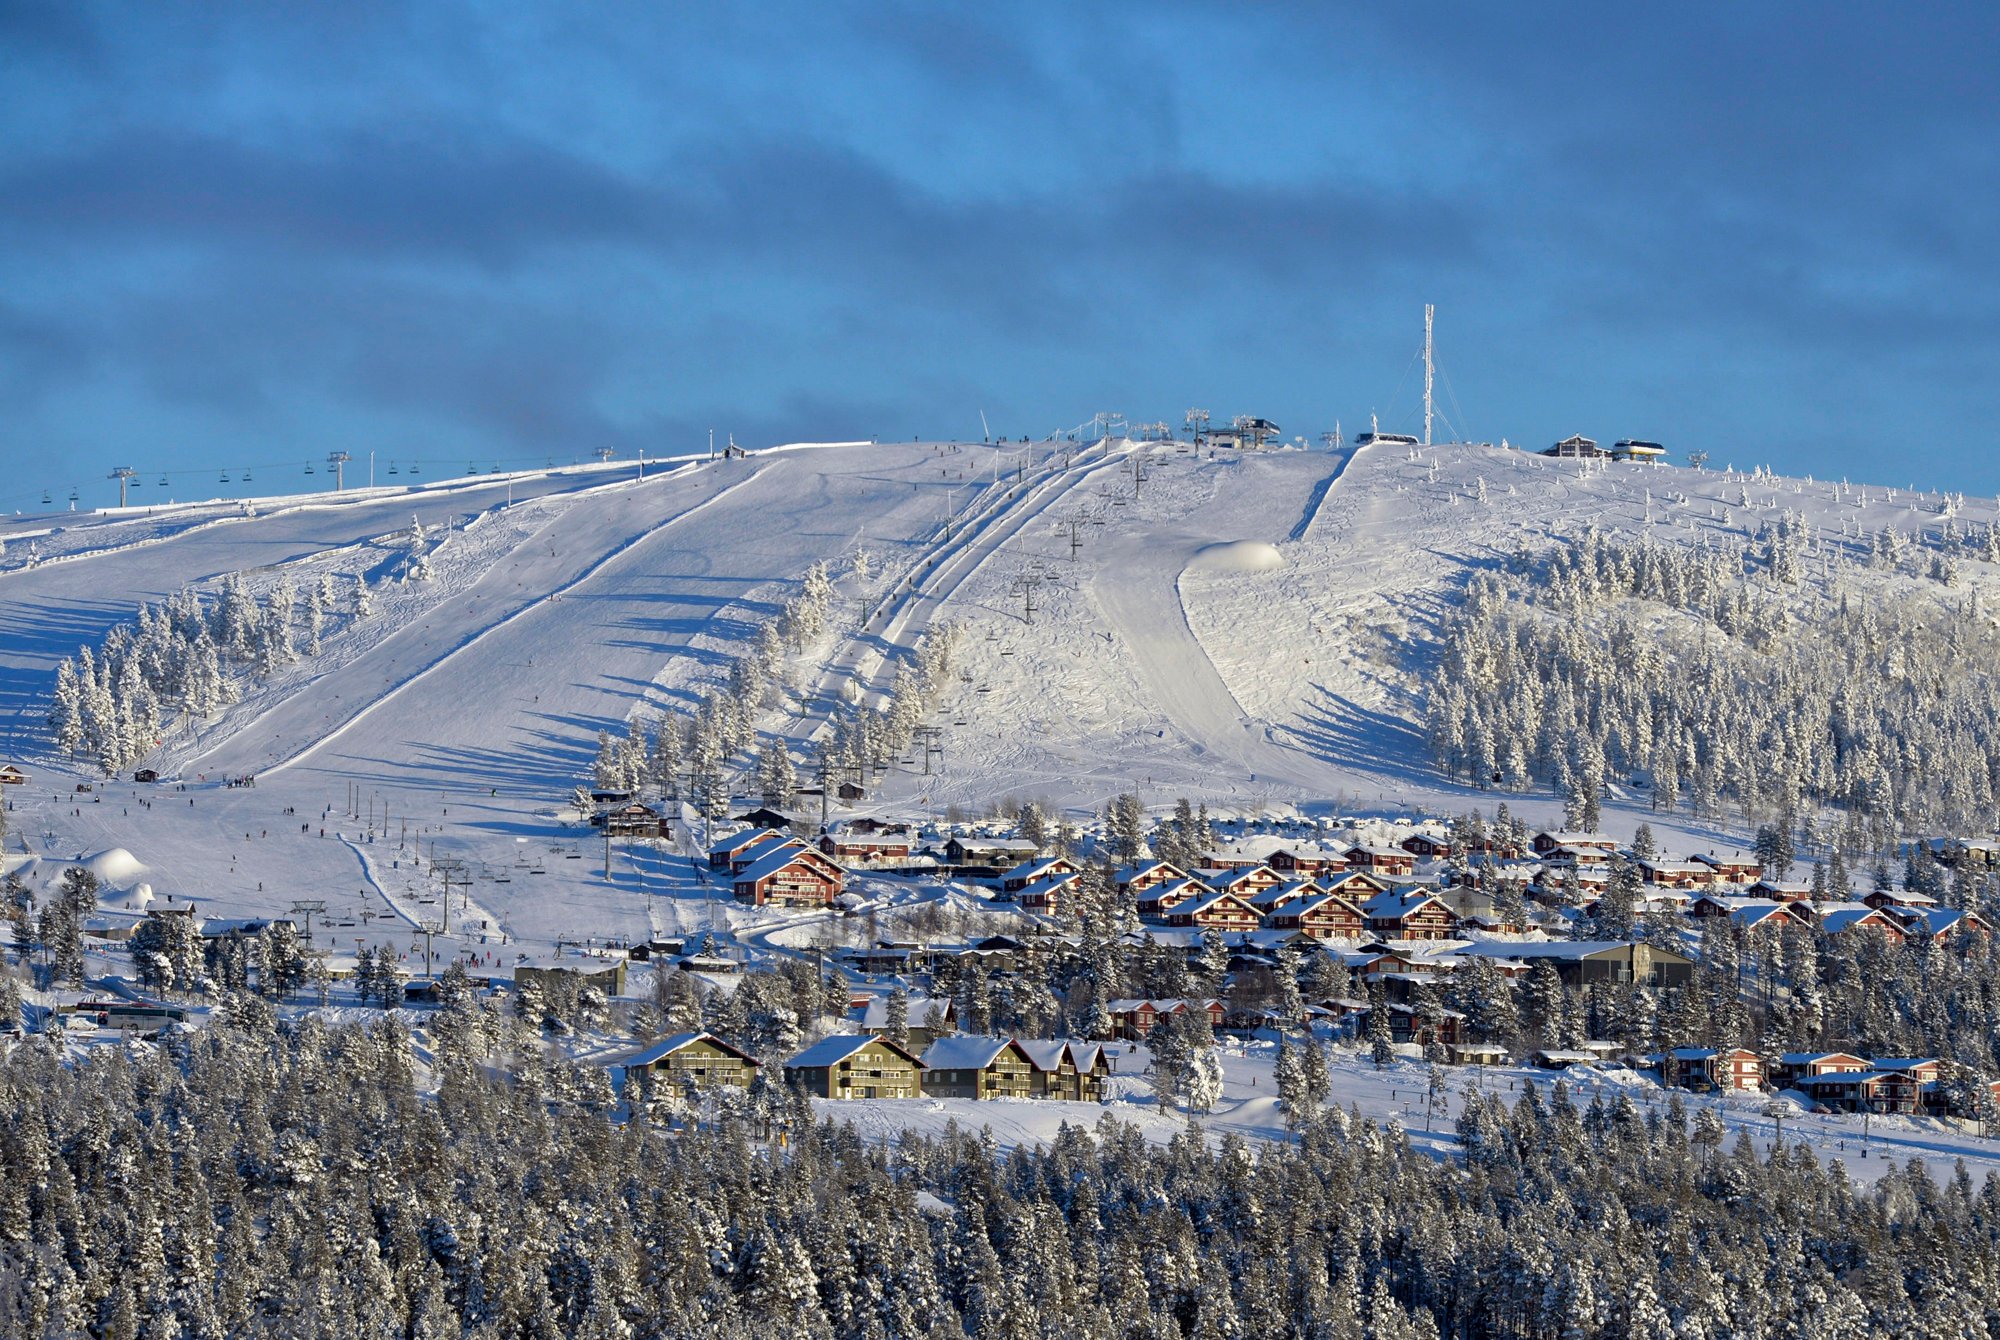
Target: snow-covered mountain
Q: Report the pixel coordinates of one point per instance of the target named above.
(1253, 630)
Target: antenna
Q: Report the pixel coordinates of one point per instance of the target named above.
(1429, 312)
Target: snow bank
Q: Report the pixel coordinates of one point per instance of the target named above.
(1238, 556)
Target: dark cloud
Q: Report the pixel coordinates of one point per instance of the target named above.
(565, 231)
(487, 198)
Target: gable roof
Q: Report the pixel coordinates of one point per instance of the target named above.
(832, 1050)
(748, 837)
(766, 866)
(1837, 919)
(666, 1047)
(968, 1052)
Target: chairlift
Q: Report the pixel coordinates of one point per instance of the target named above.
(414, 468)
(472, 469)
(309, 467)
(72, 495)
(46, 499)
(246, 476)
(163, 483)
(392, 467)
(225, 476)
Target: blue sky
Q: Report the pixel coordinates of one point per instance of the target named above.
(248, 235)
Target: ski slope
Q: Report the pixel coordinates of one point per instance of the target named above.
(1252, 631)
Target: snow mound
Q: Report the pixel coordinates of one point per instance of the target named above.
(115, 869)
(133, 901)
(1238, 556)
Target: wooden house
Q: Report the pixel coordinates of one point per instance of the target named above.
(1216, 911)
(633, 819)
(1246, 882)
(699, 1059)
(1068, 1071)
(1326, 917)
(1048, 894)
(1135, 1018)
(1356, 886)
(607, 975)
(1034, 871)
(764, 816)
(739, 851)
(1427, 846)
(865, 847)
(1898, 899)
(927, 1019)
(856, 1065)
(975, 1067)
(1943, 924)
(1303, 862)
(1676, 874)
(988, 853)
(1546, 842)
(1575, 447)
(1390, 861)
(1136, 879)
(1160, 899)
(1735, 868)
(1415, 915)
(11, 775)
(1581, 962)
(1791, 1067)
(1707, 1069)
(790, 876)
(1849, 919)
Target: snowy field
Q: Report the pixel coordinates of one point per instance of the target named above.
(1249, 630)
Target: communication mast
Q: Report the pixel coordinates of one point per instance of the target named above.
(1429, 311)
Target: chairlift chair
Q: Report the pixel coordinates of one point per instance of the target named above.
(72, 495)
(163, 481)
(414, 468)
(246, 476)
(225, 476)
(392, 467)
(46, 499)
(309, 467)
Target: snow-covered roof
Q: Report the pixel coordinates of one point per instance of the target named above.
(1836, 919)
(765, 866)
(666, 1047)
(963, 1052)
(837, 1048)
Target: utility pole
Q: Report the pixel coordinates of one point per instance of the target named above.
(338, 460)
(1429, 311)
(124, 474)
(450, 870)
(1024, 586)
(307, 909)
(429, 928)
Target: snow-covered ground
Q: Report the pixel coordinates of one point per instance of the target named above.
(1249, 630)
(1399, 1092)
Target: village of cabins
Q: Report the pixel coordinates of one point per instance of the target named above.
(1398, 917)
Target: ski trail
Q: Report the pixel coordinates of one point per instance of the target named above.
(1317, 501)
(485, 632)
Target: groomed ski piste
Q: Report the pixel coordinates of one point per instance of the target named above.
(1248, 630)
